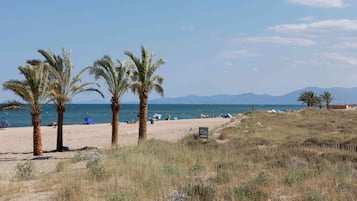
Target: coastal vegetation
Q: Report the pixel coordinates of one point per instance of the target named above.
(35, 90)
(144, 80)
(327, 98)
(60, 87)
(311, 99)
(254, 157)
(117, 79)
(63, 87)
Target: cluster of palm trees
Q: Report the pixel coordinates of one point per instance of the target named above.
(51, 80)
(312, 99)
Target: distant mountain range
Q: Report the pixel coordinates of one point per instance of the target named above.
(341, 96)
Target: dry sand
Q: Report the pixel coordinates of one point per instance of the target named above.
(16, 143)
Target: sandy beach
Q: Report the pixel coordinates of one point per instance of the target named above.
(16, 143)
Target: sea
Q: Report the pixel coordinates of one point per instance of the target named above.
(101, 113)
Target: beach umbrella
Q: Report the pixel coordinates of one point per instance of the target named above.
(4, 123)
(157, 116)
(88, 120)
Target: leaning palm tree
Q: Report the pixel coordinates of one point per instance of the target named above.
(117, 80)
(11, 105)
(63, 86)
(34, 90)
(144, 81)
(309, 97)
(327, 98)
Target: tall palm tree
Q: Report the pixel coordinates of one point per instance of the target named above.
(63, 86)
(327, 98)
(309, 97)
(144, 81)
(117, 80)
(34, 90)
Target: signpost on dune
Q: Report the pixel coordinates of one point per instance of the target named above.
(203, 133)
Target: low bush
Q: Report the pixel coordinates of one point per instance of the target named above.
(314, 196)
(25, 171)
(250, 192)
(297, 175)
(200, 192)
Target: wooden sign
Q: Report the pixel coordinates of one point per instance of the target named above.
(203, 132)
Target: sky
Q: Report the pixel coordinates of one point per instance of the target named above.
(210, 47)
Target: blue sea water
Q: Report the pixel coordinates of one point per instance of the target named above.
(101, 113)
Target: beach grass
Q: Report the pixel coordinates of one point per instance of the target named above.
(260, 161)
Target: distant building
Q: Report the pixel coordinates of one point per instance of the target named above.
(338, 107)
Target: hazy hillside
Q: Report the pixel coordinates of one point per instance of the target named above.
(342, 96)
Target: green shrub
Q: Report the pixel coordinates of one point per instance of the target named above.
(71, 191)
(262, 178)
(250, 192)
(97, 170)
(314, 196)
(25, 171)
(345, 186)
(198, 168)
(296, 176)
(93, 156)
(171, 169)
(223, 176)
(200, 192)
(340, 172)
(119, 197)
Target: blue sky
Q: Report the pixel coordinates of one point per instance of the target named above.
(210, 47)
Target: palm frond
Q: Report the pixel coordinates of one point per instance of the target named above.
(11, 105)
(144, 78)
(34, 88)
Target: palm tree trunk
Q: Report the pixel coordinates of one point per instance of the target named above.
(143, 118)
(115, 118)
(60, 114)
(37, 139)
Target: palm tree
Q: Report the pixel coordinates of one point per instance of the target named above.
(63, 86)
(117, 80)
(144, 81)
(309, 97)
(327, 98)
(11, 105)
(34, 90)
(319, 101)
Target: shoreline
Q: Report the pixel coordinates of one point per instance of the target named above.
(120, 123)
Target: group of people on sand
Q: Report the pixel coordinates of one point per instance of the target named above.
(227, 115)
(155, 117)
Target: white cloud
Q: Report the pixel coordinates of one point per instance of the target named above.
(236, 54)
(276, 40)
(307, 18)
(324, 25)
(341, 58)
(320, 3)
(346, 45)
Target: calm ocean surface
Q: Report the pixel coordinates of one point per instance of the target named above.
(101, 113)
